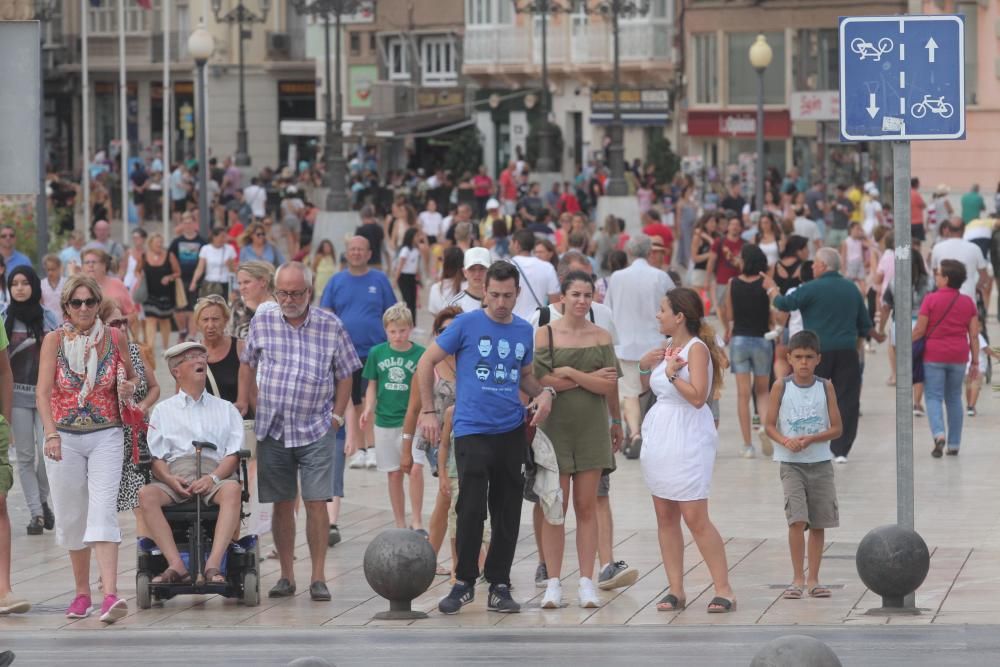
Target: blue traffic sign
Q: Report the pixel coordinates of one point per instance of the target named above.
(902, 78)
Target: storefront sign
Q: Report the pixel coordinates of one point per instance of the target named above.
(818, 105)
(436, 98)
(648, 106)
(297, 88)
(361, 78)
(742, 124)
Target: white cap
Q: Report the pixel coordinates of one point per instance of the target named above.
(477, 257)
(492, 203)
(181, 348)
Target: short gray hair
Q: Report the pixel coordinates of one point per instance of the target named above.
(830, 257)
(638, 246)
(307, 275)
(570, 257)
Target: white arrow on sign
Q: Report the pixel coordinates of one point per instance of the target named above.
(931, 45)
(872, 109)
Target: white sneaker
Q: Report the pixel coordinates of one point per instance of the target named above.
(358, 460)
(553, 594)
(748, 452)
(840, 459)
(370, 458)
(588, 596)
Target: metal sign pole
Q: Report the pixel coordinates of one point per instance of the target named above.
(902, 290)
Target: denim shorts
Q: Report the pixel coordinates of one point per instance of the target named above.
(283, 472)
(750, 354)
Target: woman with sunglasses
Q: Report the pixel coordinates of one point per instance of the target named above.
(135, 473)
(254, 246)
(78, 398)
(26, 322)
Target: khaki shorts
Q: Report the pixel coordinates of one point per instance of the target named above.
(629, 384)
(185, 468)
(250, 437)
(810, 494)
(6, 471)
(388, 450)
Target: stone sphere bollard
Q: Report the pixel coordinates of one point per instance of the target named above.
(310, 661)
(893, 562)
(795, 651)
(399, 566)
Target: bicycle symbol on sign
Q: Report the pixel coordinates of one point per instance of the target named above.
(869, 50)
(938, 106)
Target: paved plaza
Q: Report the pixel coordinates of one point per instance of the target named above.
(956, 513)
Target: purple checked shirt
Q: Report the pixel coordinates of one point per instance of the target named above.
(298, 369)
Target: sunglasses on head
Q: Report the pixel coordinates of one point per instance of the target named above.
(76, 304)
(118, 324)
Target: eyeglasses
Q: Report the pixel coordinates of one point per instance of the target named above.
(260, 234)
(118, 324)
(295, 296)
(194, 355)
(77, 304)
(6, 236)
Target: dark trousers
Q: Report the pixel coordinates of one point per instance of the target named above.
(843, 369)
(489, 475)
(408, 288)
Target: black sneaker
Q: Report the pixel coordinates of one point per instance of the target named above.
(48, 517)
(500, 600)
(36, 526)
(333, 539)
(541, 576)
(461, 594)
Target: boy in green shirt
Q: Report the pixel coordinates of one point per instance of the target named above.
(389, 371)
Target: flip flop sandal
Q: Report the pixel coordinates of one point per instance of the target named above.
(721, 605)
(442, 570)
(670, 602)
(819, 592)
(213, 576)
(792, 593)
(172, 576)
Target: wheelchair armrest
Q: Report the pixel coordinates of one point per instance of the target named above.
(204, 445)
(245, 454)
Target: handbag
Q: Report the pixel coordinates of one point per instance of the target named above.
(180, 295)
(920, 345)
(140, 291)
(131, 415)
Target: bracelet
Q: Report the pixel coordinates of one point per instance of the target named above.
(671, 378)
(642, 372)
(616, 422)
(407, 436)
(52, 436)
(428, 412)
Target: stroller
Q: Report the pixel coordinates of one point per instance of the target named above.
(193, 526)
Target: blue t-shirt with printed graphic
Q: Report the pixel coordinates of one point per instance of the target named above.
(488, 371)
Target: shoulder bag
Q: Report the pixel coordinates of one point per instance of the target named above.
(920, 345)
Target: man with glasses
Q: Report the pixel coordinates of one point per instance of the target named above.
(11, 257)
(305, 361)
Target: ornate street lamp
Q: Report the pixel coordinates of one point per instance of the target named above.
(335, 178)
(239, 16)
(543, 8)
(201, 46)
(760, 58)
(614, 10)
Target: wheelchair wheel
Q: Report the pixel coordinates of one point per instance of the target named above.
(143, 595)
(251, 589)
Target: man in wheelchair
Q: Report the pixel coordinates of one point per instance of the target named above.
(174, 426)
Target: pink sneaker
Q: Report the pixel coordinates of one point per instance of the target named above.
(79, 608)
(114, 608)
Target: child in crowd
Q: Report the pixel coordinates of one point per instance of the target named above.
(855, 255)
(389, 371)
(973, 385)
(806, 419)
(448, 482)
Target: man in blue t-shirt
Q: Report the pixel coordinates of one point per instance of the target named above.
(359, 297)
(493, 352)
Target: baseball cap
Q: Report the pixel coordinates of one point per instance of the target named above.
(492, 203)
(477, 257)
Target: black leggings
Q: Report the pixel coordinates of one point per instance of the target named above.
(408, 288)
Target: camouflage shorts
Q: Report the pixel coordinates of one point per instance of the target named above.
(6, 472)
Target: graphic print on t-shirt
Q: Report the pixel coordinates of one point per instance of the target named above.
(485, 346)
(503, 348)
(483, 371)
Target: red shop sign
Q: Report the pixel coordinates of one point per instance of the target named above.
(741, 124)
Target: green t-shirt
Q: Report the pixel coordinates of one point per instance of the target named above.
(972, 206)
(393, 372)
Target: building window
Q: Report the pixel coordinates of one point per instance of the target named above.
(438, 61)
(396, 61)
(706, 68)
(355, 40)
(971, 11)
(815, 60)
(489, 12)
(742, 75)
(104, 19)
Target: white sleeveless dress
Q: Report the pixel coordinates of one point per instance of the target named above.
(679, 441)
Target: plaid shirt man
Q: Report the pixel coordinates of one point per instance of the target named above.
(298, 369)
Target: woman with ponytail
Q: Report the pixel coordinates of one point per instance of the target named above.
(680, 441)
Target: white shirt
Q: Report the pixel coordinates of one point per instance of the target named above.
(409, 260)
(795, 324)
(872, 209)
(967, 253)
(538, 277)
(634, 296)
(808, 229)
(51, 296)
(216, 270)
(180, 420)
(439, 296)
(602, 318)
(430, 222)
(466, 302)
(256, 197)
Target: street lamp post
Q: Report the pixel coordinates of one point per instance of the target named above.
(335, 177)
(614, 10)
(239, 16)
(760, 58)
(543, 8)
(45, 10)
(201, 45)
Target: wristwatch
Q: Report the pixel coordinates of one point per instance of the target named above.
(215, 478)
(340, 420)
(551, 390)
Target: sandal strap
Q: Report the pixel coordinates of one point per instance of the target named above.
(721, 602)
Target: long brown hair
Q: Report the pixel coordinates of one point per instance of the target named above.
(688, 303)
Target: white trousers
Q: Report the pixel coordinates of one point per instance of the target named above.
(84, 487)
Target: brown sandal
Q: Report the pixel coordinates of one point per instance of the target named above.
(172, 576)
(213, 576)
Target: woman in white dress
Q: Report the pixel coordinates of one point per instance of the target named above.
(679, 444)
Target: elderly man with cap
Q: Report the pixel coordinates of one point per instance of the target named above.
(192, 414)
(477, 261)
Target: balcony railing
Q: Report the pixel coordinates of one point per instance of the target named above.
(505, 45)
(178, 47)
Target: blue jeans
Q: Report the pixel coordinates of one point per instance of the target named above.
(750, 354)
(943, 384)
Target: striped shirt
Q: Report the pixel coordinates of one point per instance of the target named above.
(298, 370)
(180, 420)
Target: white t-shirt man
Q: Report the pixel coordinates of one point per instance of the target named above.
(807, 229)
(538, 281)
(431, 222)
(216, 269)
(256, 198)
(967, 253)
